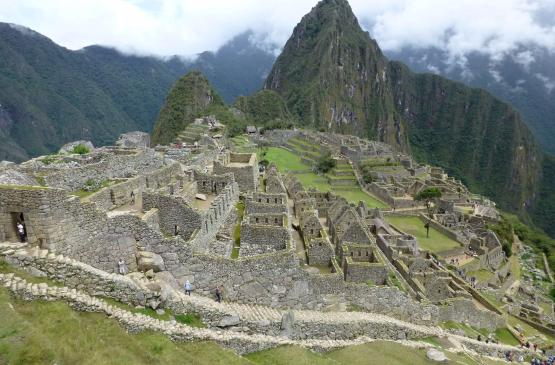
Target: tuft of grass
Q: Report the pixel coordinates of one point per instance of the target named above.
(190, 319)
(50, 159)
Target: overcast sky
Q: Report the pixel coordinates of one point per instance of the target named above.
(188, 27)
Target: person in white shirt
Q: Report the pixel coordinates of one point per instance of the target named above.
(121, 267)
(21, 231)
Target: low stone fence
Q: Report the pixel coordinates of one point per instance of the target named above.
(463, 310)
(84, 277)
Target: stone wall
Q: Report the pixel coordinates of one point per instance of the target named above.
(262, 238)
(212, 184)
(244, 167)
(266, 203)
(88, 279)
(463, 310)
(66, 226)
(176, 216)
(319, 251)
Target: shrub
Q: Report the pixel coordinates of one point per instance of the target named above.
(81, 149)
(325, 163)
(47, 160)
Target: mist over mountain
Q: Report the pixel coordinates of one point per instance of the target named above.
(525, 79)
(50, 95)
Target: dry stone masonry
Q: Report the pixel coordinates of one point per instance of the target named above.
(133, 223)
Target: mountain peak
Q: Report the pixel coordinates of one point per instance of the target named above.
(334, 77)
(190, 96)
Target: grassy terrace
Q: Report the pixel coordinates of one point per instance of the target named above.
(502, 334)
(436, 243)
(286, 160)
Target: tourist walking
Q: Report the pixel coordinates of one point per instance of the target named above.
(21, 231)
(188, 287)
(218, 295)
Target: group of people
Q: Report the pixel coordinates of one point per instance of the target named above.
(188, 289)
(549, 361)
(122, 270)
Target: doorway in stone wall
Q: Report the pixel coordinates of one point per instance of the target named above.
(13, 234)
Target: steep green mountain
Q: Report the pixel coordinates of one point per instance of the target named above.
(525, 78)
(263, 108)
(50, 95)
(191, 97)
(334, 77)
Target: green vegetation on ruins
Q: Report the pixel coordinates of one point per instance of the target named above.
(288, 161)
(81, 149)
(436, 243)
(91, 187)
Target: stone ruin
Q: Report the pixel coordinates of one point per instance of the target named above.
(175, 219)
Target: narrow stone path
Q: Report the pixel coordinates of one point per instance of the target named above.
(312, 328)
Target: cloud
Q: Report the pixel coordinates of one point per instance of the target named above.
(549, 84)
(188, 27)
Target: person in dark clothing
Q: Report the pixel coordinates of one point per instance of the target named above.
(218, 295)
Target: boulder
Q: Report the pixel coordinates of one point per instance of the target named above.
(201, 197)
(150, 261)
(436, 355)
(134, 140)
(228, 321)
(154, 286)
(149, 274)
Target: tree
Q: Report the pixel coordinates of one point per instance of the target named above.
(427, 226)
(428, 195)
(325, 163)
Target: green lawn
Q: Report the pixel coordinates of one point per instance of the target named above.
(436, 243)
(502, 334)
(286, 160)
(481, 275)
(52, 333)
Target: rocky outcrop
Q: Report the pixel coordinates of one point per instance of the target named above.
(150, 261)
